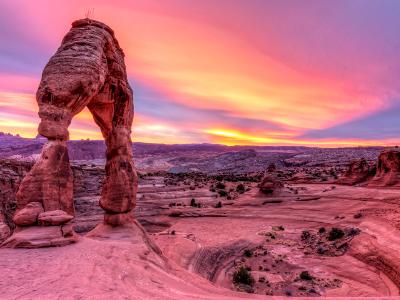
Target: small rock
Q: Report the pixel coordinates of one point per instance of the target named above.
(29, 214)
(54, 218)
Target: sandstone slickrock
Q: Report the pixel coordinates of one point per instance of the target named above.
(88, 70)
(39, 236)
(359, 171)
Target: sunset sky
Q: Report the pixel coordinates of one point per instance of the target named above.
(315, 72)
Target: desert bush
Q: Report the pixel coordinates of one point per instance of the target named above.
(242, 275)
(305, 276)
(305, 235)
(335, 233)
(220, 185)
(240, 188)
(222, 193)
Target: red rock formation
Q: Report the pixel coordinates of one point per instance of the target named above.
(49, 181)
(387, 169)
(88, 70)
(359, 171)
(270, 183)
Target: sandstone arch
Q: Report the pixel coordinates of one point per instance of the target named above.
(88, 70)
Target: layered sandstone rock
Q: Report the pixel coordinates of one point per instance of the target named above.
(359, 171)
(50, 181)
(5, 230)
(387, 169)
(271, 184)
(88, 70)
(55, 217)
(29, 214)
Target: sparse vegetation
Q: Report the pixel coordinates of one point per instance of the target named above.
(240, 188)
(335, 233)
(305, 275)
(248, 253)
(223, 193)
(243, 276)
(305, 235)
(220, 185)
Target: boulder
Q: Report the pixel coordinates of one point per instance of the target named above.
(53, 218)
(28, 215)
(270, 183)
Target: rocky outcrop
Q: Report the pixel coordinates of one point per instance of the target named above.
(359, 171)
(88, 70)
(49, 181)
(11, 174)
(270, 184)
(387, 169)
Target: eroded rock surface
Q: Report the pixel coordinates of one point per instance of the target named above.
(29, 214)
(49, 181)
(88, 70)
(359, 171)
(271, 183)
(387, 169)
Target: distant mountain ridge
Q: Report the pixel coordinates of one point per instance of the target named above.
(11, 145)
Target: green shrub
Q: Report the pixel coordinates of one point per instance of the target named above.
(305, 235)
(242, 275)
(220, 185)
(222, 193)
(240, 188)
(335, 234)
(305, 276)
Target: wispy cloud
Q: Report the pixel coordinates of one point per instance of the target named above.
(259, 72)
